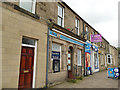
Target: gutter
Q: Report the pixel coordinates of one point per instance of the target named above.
(47, 54)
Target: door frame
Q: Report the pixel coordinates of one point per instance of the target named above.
(35, 59)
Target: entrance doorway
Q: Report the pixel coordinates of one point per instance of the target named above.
(26, 67)
(70, 57)
(27, 63)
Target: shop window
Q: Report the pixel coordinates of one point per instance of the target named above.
(56, 66)
(79, 57)
(109, 59)
(28, 41)
(28, 5)
(77, 26)
(56, 53)
(60, 15)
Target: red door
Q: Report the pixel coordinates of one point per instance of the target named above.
(26, 67)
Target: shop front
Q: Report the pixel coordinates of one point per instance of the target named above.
(91, 58)
(64, 56)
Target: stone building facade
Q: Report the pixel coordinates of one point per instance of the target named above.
(22, 35)
(28, 27)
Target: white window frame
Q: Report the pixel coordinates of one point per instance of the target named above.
(62, 18)
(79, 64)
(33, 6)
(77, 26)
(110, 59)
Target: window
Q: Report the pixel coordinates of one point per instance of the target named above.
(60, 16)
(109, 59)
(56, 57)
(28, 41)
(87, 32)
(79, 57)
(77, 26)
(28, 5)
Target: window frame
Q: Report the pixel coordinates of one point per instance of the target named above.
(62, 18)
(33, 7)
(110, 59)
(80, 60)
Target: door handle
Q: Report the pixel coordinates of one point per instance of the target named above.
(26, 71)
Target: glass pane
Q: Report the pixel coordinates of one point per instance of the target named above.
(56, 47)
(109, 60)
(69, 67)
(56, 68)
(76, 30)
(27, 5)
(69, 55)
(28, 41)
(59, 21)
(69, 61)
(76, 22)
(60, 12)
(79, 57)
(86, 29)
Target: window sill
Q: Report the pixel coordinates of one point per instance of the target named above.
(26, 12)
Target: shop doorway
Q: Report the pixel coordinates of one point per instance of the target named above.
(70, 57)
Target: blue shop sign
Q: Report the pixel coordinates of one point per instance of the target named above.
(64, 38)
(87, 47)
(55, 55)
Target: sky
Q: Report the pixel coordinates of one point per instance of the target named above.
(102, 15)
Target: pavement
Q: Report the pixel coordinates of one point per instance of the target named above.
(97, 80)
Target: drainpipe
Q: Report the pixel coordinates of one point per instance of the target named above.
(84, 51)
(47, 54)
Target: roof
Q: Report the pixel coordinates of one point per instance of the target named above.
(82, 19)
(113, 46)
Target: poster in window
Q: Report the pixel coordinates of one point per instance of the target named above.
(55, 55)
